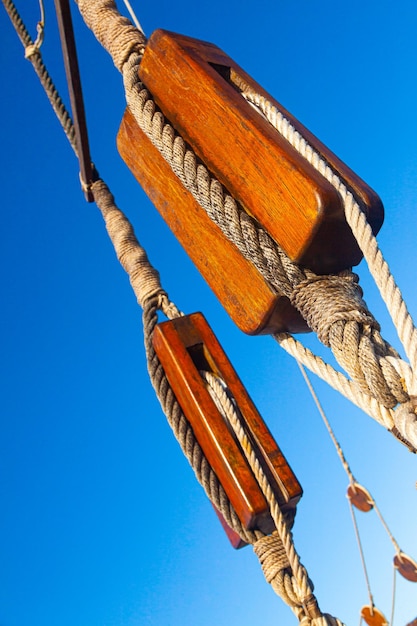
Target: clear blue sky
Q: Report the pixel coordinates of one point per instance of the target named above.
(102, 522)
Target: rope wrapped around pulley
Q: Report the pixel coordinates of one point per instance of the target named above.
(276, 552)
(371, 362)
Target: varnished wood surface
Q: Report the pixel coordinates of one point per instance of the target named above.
(242, 290)
(187, 345)
(373, 616)
(360, 497)
(406, 566)
(192, 82)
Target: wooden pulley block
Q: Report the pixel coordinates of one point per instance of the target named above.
(373, 617)
(186, 346)
(249, 300)
(199, 90)
(406, 566)
(360, 497)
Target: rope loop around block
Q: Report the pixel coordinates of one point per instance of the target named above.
(347, 326)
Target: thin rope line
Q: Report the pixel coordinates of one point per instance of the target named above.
(385, 525)
(358, 539)
(133, 16)
(45, 79)
(394, 591)
(40, 27)
(326, 422)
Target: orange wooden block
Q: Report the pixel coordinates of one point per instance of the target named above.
(373, 616)
(249, 300)
(186, 346)
(198, 88)
(360, 497)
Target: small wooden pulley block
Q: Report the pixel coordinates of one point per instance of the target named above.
(186, 346)
(373, 616)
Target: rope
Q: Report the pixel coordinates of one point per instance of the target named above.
(358, 540)
(356, 219)
(327, 424)
(34, 56)
(405, 418)
(40, 28)
(126, 46)
(349, 330)
(115, 33)
(394, 586)
(146, 285)
(279, 560)
(133, 16)
(345, 325)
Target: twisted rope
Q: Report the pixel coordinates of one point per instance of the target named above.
(123, 46)
(352, 333)
(277, 554)
(344, 323)
(145, 282)
(115, 33)
(32, 53)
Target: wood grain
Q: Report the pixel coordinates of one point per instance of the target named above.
(249, 300)
(196, 85)
(187, 345)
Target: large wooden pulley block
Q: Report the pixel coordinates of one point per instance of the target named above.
(199, 90)
(186, 347)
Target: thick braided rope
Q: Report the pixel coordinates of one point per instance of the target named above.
(404, 417)
(374, 370)
(356, 219)
(146, 285)
(183, 431)
(144, 278)
(348, 327)
(116, 33)
(277, 554)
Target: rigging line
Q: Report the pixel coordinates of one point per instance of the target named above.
(40, 28)
(358, 539)
(33, 55)
(133, 16)
(326, 422)
(341, 454)
(383, 522)
(66, 32)
(227, 406)
(394, 583)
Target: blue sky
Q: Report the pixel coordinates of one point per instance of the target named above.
(102, 521)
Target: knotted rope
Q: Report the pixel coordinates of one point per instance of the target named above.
(345, 325)
(348, 329)
(277, 553)
(32, 53)
(279, 560)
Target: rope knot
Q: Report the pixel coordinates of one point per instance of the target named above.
(272, 556)
(405, 424)
(325, 300)
(115, 32)
(311, 607)
(31, 50)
